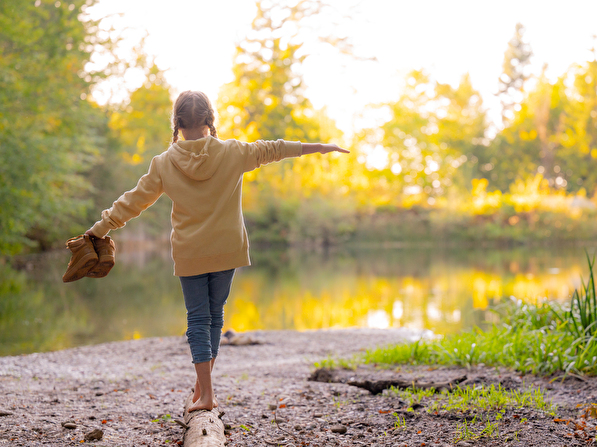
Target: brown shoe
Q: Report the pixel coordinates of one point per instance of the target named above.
(82, 260)
(106, 250)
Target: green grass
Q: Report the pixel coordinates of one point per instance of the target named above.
(486, 399)
(333, 363)
(481, 408)
(539, 339)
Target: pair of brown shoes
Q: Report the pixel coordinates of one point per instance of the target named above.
(91, 257)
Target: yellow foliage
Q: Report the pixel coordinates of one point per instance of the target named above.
(484, 202)
(534, 194)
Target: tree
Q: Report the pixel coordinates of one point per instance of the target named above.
(49, 132)
(552, 134)
(515, 73)
(432, 136)
(579, 138)
(266, 98)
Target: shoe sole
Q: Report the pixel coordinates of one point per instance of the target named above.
(81, 269)
(101, 269)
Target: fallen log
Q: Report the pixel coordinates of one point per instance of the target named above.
(205, 428)
(377, 386)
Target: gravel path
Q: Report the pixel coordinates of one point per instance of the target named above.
(134, 390)
(131, 389)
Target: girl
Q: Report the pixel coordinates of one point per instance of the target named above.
(203, 177)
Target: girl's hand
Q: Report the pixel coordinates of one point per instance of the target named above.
(90, 234)
(311, 148)
(326, 148)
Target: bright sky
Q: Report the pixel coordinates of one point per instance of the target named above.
(194, 40)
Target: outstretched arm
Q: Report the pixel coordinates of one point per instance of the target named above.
(311, 148)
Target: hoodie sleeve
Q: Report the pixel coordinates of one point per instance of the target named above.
(131, 203)
(263, 152)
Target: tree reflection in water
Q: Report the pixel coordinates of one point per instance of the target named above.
(444, 291)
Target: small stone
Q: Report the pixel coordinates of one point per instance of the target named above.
(204, 432)
(317, 415)
(70, 425)
(273, 407)
(341, 429)
(5, 413)
(298, 427)
(94, 435)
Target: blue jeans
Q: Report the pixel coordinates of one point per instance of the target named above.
(204, 298)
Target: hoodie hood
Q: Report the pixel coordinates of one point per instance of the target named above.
(197, 159)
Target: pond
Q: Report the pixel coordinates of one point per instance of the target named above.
(441, 290)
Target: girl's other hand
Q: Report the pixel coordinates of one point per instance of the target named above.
(90, 234)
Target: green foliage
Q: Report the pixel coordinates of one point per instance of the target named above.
(49, 133)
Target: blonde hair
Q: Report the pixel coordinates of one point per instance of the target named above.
(191, 110)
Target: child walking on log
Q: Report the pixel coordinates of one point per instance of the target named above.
(202, 175)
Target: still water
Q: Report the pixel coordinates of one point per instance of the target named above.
(442, 290)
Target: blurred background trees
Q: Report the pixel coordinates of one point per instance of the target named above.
(436, 168)
(50, 134)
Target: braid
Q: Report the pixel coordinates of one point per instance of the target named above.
(212, 131)
(175, 133)
(209, 121)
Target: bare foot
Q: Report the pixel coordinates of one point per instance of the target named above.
(197, 397)
(200, 405)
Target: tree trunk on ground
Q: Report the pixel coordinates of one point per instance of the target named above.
(377, 386)
(205, 428)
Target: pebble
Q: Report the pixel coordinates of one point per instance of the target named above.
(338, 429)
(94, 435)
(70, 425)
(273, 407)
(317, 415)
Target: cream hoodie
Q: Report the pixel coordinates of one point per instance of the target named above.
(204, 180)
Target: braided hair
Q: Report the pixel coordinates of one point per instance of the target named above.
(192, 110)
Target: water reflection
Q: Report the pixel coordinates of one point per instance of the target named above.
(444, 291)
